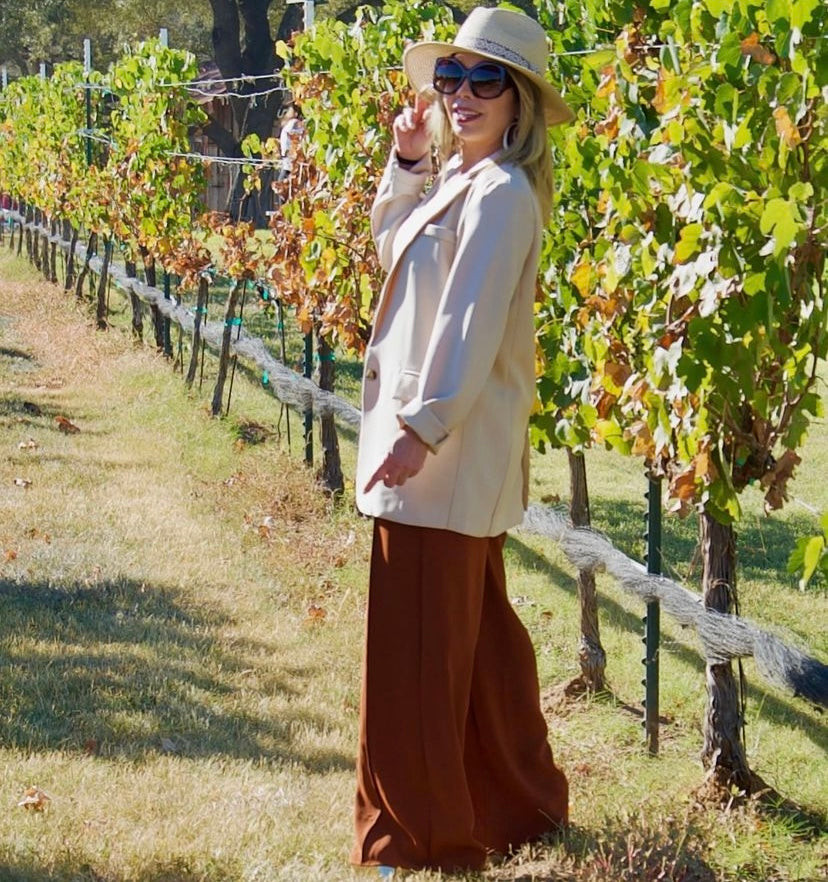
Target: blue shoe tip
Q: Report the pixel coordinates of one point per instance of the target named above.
(386, 872)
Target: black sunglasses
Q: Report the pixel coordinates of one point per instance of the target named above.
(487, 79)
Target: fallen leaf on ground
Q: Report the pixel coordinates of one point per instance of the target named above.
(9, 555)
(316, 613)
(34, 533)
(34, 799)
(65, 426)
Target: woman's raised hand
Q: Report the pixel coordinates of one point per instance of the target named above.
(412, 138)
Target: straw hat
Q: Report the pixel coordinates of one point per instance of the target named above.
(511, 38)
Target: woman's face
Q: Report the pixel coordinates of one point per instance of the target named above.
(479, 123)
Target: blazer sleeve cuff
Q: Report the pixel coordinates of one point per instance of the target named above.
(405, 178)
(426, 425)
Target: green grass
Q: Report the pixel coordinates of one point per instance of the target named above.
(181, 629)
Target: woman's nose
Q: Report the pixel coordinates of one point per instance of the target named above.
(465, 89)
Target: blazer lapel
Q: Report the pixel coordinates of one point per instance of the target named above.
(419, 217)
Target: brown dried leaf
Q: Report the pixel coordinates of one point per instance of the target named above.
(777, 479)
(65, 426)
(752, 47)
(316, 613)
(683, 486)
(34, 799)
(617, 373)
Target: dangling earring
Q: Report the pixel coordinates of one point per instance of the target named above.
(509, 135)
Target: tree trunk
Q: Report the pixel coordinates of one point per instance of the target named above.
(53, 247)
(24, 212)
(31, 251)
(157, 316)
(103, 281)
(69, 281)
(131, 272)
(331, 470)
(200, 313)
(723, 753)
(45, 265)
(243, 45)
(591, 655)
(91, 248)
(224, 356)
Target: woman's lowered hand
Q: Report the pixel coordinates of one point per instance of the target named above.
(403, 461)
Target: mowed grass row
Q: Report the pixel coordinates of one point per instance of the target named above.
(180, 643)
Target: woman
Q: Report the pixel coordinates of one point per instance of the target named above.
(453, 761)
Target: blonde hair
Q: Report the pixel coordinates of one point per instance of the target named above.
(528, 146)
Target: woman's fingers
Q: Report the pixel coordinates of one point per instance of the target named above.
(411, 135)
(422, 108)
(389, 473)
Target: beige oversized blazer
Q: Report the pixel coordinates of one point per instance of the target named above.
(452, 349)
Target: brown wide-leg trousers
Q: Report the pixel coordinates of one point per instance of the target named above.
(453, 755)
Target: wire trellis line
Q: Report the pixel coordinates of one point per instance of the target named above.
(225, 160)
(289, 387)
(723, 636)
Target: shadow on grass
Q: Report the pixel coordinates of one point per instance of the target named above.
(622, 523)
(25, 414)
(15, 355)
(124, 670)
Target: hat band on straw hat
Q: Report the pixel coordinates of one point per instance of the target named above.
(489, 47)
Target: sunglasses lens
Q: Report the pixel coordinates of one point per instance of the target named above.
(487, 80)
(448, 75)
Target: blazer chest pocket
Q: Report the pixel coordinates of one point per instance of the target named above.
(407, 387)
(447, 234)
(439, 243)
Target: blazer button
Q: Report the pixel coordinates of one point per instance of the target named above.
(370, 374)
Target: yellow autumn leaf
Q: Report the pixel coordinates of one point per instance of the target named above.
(704, 468)
(608, 82)
(609, 126)
(642, 440)
(785, 128)
(582, 277)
